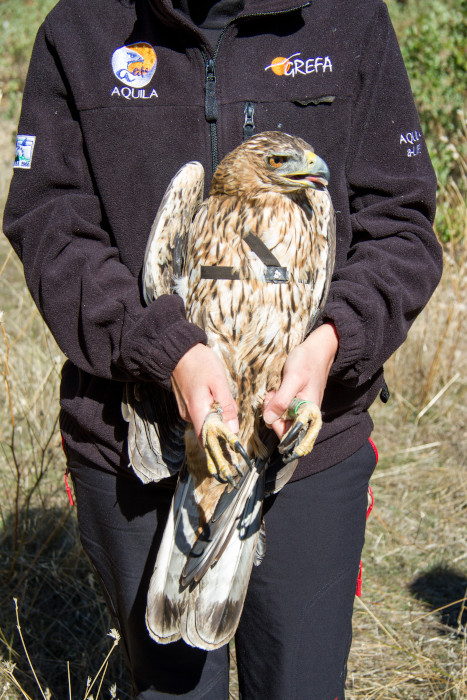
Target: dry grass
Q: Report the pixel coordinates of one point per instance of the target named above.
(61, 609)
(410, 625)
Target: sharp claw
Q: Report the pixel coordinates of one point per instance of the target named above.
(215, 433)
(292, 435)
(238, 447)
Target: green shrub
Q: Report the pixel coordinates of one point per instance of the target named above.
(19, 20)
(432, 37)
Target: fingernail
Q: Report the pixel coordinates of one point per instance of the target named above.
(233, 425)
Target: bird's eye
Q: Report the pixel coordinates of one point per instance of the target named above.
(276, 161)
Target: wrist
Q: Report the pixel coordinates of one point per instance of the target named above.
(330, 326)
(324, 342)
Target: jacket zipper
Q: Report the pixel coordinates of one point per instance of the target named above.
(249, 123)
(211, 111)
(210, 107)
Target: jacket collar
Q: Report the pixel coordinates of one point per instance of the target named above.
(165, 12)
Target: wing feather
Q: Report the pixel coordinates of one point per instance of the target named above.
(167, 241)
(155, 431)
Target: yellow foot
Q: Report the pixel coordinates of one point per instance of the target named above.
(300, 438)
(217, 438)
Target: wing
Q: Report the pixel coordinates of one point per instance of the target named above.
(155, 429)
(167, 242)
(323, 222)
(156, 447)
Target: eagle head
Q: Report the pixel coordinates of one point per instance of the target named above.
(270, 161)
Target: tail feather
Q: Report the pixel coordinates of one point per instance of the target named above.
(260, 552)
(202, 570)
(213, 618)
(167, 598)
(205, 613)
(232, 512)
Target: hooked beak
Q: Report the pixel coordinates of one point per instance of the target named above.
(316, 175)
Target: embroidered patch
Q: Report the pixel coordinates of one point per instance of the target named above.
(24, 149)
(293, 66)
(411, 142)
(134, 65)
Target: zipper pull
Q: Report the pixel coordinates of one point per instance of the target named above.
(248, 124)
(210, 103)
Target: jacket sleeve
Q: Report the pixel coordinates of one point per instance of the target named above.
(394, 261)
(53, 218)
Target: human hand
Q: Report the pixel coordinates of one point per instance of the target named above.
(198, 380)
(304, 376)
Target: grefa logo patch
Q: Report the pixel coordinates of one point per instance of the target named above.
(134, 66)
(293, 66)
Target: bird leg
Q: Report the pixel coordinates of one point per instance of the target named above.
(216, 439)
(300, 438)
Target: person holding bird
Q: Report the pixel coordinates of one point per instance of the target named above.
(222, 357)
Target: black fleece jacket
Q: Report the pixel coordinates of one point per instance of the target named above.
(116, 99)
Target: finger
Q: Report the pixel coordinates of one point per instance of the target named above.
(192, 412)
(280, 427)
(279, 403)
(221, 393)
(199, 409)
(270, 395)
(267, 399)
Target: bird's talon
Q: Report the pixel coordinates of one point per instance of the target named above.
(289, 458)
(238, 447)
(216, 437)
(298, 441)
(238, 470)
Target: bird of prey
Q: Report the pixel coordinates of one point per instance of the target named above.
(253, 264)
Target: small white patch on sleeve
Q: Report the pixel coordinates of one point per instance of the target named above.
(24, 149)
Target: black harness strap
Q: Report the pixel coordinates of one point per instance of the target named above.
(218, 272)
(261, 250)
(274, 271)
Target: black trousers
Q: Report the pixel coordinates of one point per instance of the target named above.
(295, 632)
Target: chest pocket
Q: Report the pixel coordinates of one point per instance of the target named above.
(249, 125)
(322, 120)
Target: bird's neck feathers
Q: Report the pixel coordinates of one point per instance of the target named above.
(244, 186)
